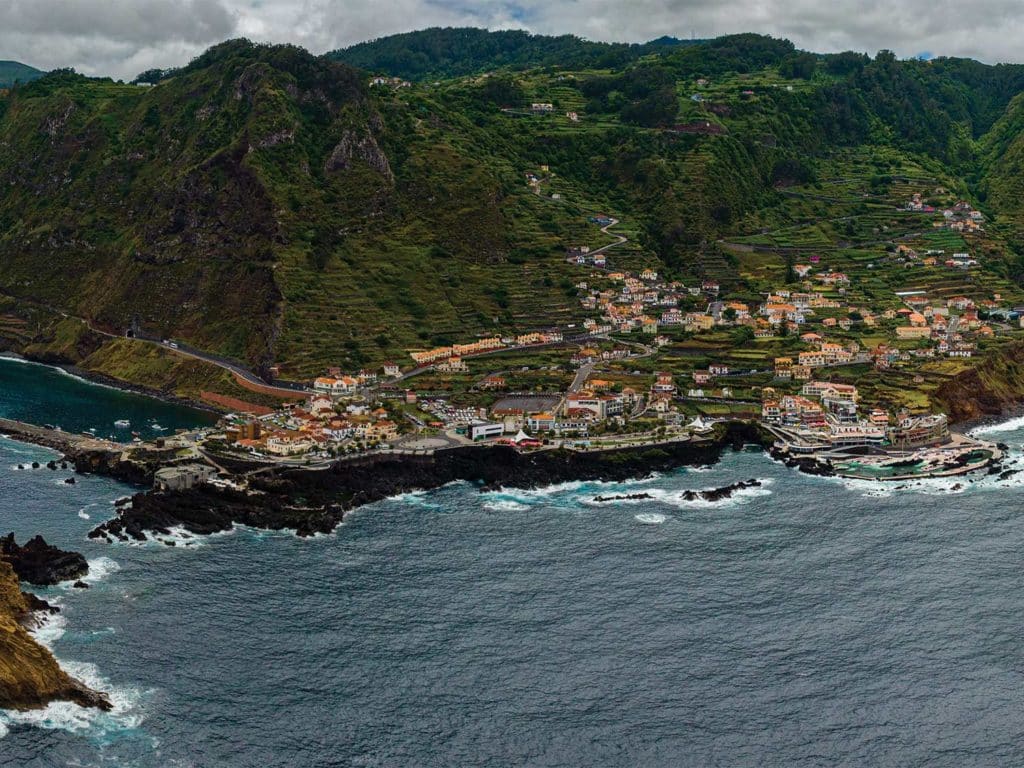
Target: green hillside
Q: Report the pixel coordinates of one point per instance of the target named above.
(453, 52)
(12, 72)
(280, 209)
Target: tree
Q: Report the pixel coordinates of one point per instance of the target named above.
(744, 335)
(799, 66)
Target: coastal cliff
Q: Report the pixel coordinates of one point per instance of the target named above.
(312, 501)
(993, 386)
(29, 674)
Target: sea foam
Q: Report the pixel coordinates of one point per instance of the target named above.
(650, 518)
(126, 702)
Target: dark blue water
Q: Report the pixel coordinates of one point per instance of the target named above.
(808, 623)
(40, 394)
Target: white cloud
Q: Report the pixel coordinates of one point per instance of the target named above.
(122, 37)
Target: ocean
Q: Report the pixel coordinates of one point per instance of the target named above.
(807, 622)
(40, 394)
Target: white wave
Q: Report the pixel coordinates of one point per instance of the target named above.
(83, 514)
(506, 505)
(99, 569)
(178, 536)
(927, 486)
(678, 498)
(51, 626)
(126, 711)
(415, 499)
(650, 518)
(542, 492)
(572, 488)
(1011, 425)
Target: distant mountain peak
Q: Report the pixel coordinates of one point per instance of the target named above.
(12, 72)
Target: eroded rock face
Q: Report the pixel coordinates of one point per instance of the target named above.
(40, 563)
(364, 148)
(29, 675)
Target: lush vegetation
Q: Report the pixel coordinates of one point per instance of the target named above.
(453, 52)
(275, 207)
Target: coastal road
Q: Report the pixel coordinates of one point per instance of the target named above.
(222, 362)
(181, 349)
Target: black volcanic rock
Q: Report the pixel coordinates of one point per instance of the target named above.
(711, 494)
(36, 604)
(40, 563)
(316, 501)
(717, 494)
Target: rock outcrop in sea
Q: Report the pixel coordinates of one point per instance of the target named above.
(710, 494)
(40, 563)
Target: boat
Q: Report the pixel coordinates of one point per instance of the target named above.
(156, 428)
(122, 423)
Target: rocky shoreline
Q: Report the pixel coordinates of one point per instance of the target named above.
(30, 676)
(315, 501)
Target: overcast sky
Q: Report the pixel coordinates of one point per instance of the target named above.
(121, 38)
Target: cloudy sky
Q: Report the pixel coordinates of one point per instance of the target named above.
(123, 37)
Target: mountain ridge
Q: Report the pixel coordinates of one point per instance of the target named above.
(12, 72)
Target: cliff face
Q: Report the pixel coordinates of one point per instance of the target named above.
(29, 675)
(994, 385)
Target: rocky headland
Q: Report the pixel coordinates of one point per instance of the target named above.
(316, 501)
(30, 676)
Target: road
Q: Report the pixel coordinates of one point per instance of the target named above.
(619, 239)
(222, 362)
(582, 374)
(180, 349)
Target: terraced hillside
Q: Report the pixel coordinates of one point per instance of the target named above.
(287, 210)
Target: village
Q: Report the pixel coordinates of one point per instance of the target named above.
(625, 376)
